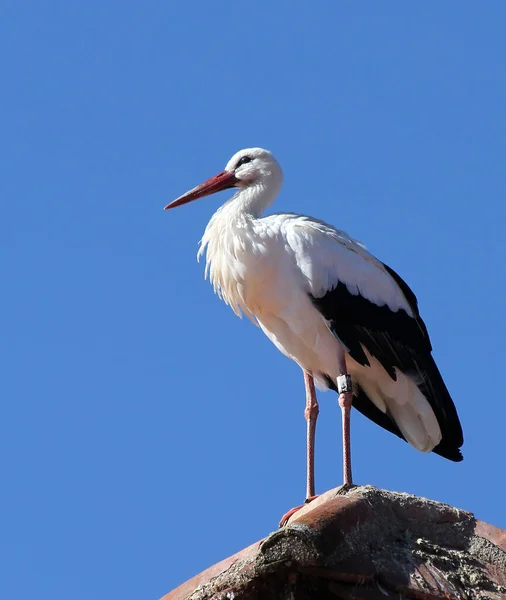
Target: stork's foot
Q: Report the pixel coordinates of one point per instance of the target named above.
(292, 511)
(342, 490)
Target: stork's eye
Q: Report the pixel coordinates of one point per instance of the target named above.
(243, 161)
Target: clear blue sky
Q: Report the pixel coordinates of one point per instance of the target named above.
(145, 431)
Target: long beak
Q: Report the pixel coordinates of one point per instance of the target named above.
(222, 181)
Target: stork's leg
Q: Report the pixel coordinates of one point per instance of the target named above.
(310, 414)
(345, 389)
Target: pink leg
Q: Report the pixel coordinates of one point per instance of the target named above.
(344, 387)
(345, 400)
(310, 414)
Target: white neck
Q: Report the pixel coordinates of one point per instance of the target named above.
(228, 233)
(255, 198)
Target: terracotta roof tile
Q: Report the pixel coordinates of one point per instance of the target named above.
(366, 544)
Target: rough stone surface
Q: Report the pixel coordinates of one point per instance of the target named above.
(364, 544)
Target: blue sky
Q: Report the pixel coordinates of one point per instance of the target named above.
(146, 432)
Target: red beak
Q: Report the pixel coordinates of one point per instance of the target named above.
(222, 181)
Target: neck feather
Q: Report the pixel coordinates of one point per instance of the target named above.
(254, 199)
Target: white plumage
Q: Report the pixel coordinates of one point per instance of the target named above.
(267, 268)
(283, 272)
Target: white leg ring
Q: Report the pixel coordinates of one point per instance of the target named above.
(344, 384)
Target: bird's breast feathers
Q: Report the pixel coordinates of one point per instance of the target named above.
(245, 267)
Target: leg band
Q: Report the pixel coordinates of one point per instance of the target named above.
(344, 384)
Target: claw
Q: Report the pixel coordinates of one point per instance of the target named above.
(286, 517)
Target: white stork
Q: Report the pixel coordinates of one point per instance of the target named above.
(347, 319)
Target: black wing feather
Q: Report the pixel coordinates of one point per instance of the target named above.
(395, 339)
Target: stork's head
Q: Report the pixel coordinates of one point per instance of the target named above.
(254, 170)
(253, 166)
